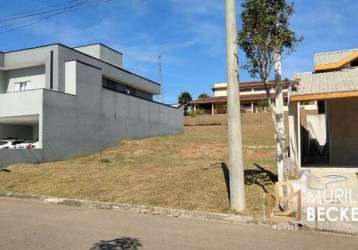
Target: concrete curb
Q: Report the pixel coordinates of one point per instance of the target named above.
(170, 212)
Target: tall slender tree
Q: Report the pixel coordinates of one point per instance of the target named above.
(266, 37)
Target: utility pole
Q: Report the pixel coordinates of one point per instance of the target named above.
(236, 167)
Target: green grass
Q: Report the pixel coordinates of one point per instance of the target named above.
(168, 171)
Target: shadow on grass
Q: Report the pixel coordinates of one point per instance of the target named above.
(260, 176)
(124, 243)
(5, 170)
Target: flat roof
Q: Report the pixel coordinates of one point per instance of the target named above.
(91, 44)
(65, 46)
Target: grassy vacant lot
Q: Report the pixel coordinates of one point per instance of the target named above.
(171, 171)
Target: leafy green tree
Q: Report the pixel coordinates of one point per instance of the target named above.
(203, 96)
(265, 37)
(185, 99)
(262, 104)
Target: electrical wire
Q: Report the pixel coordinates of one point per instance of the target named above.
(38, 11)
(20, 21)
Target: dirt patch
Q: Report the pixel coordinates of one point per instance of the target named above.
(204, 151)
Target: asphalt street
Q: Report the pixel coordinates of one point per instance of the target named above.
(26, 224)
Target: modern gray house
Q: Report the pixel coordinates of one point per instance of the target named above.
(76, 101)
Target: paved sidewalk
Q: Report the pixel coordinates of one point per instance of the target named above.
(27, 224)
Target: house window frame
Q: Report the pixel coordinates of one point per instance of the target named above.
(22, 86)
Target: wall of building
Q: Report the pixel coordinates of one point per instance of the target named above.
(3, 83)
(35, 76)
(34, 57)
(111, 56)
(22, 104)
(1, 59)
(108, 71)
(70, 78)
(220, 92)
(93, 119)
(102, 52)
(342, 130)
(61, 54)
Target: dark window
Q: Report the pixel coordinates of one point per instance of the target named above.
(321, 107)
(122, 88)
(354, 63)
(51, 69)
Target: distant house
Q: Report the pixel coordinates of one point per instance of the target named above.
(251, 94)
(328, 137)
(76, 101)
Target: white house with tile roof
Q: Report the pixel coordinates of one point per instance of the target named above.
(328, 137)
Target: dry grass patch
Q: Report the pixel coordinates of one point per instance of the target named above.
(168, 171)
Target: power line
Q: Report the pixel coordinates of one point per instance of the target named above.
(38, 17)
(38, 11)
(32, 18)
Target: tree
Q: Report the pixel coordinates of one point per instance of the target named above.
(262, 104)
(203, 96)
(185, 99)
(265, 37)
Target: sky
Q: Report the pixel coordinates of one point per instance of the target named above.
(188, 34)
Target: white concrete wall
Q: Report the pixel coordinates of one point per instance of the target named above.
(27, 103)
(132, 80)
(70, 78)
(34, 57)
(102, 52)
(220, 92)
(34, 75)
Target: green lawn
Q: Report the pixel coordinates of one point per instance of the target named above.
(180, 171)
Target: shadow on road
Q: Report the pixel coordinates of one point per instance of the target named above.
(124, 243)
